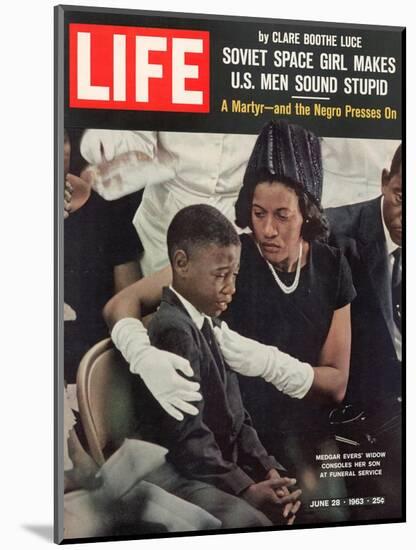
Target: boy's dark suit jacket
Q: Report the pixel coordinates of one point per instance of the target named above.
(218, 446)
(375, 371)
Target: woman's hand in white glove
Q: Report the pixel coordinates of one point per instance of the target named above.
(244, 355)
(250, 358)
(158, 369)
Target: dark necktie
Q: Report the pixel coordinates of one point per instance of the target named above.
(396, 287)
(212, 343)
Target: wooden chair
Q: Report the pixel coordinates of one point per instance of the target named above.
(105, 399)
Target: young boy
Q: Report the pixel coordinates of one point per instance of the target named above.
(218, 461)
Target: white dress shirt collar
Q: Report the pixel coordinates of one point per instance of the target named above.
(196, 316)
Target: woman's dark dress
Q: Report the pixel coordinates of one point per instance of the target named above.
(298, 324)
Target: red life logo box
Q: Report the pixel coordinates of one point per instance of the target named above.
(136, 68)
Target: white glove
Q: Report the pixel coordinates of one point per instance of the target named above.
(250, 358)
(157, 368)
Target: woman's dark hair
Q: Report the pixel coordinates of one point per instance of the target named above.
(290, 155)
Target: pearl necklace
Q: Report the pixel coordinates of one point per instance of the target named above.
(285, 288)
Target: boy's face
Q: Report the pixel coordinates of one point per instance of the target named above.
(392, 207)
(209, 277)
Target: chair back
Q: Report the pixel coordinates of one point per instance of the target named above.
(105, 399)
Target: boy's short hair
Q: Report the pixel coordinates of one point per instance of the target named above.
(199, 225)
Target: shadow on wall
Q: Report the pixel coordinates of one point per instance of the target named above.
(45, 532)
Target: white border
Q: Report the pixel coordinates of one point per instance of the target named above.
(26, 42)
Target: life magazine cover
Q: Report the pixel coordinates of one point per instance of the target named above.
(229, 322)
